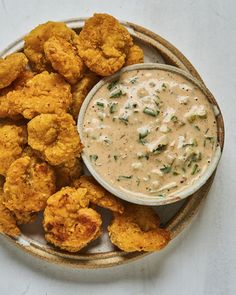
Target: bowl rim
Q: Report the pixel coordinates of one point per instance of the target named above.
(135, 197)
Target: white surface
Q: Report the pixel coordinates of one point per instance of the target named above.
(203, 259)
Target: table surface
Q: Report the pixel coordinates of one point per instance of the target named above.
(202, 260)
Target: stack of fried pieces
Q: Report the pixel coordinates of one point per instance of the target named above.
(41, 92)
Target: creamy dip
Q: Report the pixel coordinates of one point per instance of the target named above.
(151, 132)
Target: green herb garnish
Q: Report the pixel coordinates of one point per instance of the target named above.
(197, 128)
(160, 149)
(117, 94)
(134, 80)
(113, 108)
(143, 155)
(115, 157)
(124, 118)
(93, 157)
(124, 177)
(166, 169)
(195, 167)
(150, 112)
(100, 104)
(112, 84)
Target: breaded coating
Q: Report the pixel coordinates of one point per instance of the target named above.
(55, 137)
(11, 67)
(134, 56)
(7, 220)
(64, 58)
(24, 217)
(12, 141)
(43, 94)
(98, 195)
(68, 223)
(19, 83)
(103, 44)
(69, 171)
(34, 42)
(80, 91)
(137, 229)
(29, 183)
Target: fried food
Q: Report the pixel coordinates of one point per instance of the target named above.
(137, 229)
(24, 217)
(80, 91)
(43, 94)
(55, 137)
(11, 67)
(34, 42)
(64, 58)
(103, 44)
(134, 56)
(12, 141)
(29, 183)
(68, 223)
(7, 220)
(66, 173)
(98, 195)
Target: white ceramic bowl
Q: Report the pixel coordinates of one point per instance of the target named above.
(147, 199)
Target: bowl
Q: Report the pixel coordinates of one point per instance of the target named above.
(141, 198)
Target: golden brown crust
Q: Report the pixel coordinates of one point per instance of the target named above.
(68, 224)
(34, 42)
(29, 183)
(55, 137)
(137, 229)
(64, 58)
(43, 94)
(11, 67)
(12, 140)
(98, 195)
(80, 91)
(7, 220)
(103, 44)
(66, 173)
(134, 56)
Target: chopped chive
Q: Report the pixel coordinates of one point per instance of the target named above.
(112, 84)
(115, 157)
(160, 148)
(175, 173)
(197, 128)
(117, 94)
(143, 134)
(150, 112)
(93, 157)
(100, 104)
(124, 118)
(207, 130)
(163, 85)
(124, 177)
(194, 169)
(113, 108)
(134, 80)
(174, 119)
(143, 155)
(166, 169)
(108, 141)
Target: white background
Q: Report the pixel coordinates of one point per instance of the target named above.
(203, 259)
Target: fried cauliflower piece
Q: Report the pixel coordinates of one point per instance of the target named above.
(137, 229)
(12, 141)
(11, 67)
(103, 44)
(134, 56)
(64, 58)
(80, 91)
(69, 171)
(7, 220)
(43, 94)
(29, 183)
(55, 137)
(68, 223)
(98, 195)
(34, 42)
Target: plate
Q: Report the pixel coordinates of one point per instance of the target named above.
(175, 217)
